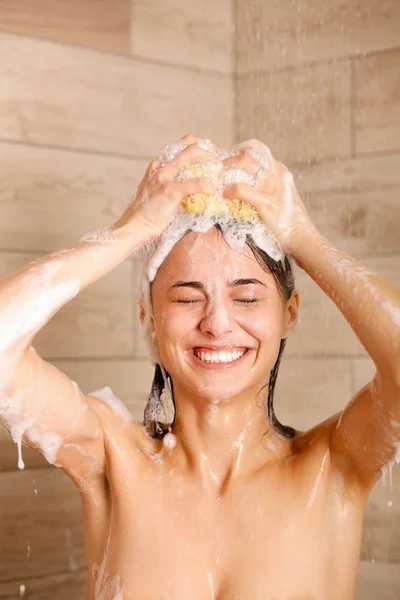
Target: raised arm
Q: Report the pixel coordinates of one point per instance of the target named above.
(368, 430)
(40, 405)
(365, 437)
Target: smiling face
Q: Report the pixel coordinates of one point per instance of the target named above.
(207, 299)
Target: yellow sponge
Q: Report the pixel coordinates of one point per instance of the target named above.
(200, 203)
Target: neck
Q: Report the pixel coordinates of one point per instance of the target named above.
(222, 442)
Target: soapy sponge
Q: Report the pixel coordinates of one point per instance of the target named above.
(201, 203)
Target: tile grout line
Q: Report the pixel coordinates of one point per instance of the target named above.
(352, 109)
(45, 575)
(76, 150)
(147, 159)
(235, 71)
(128, 57)
(317, 63)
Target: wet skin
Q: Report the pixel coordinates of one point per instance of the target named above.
(286, 529)
(228, 513)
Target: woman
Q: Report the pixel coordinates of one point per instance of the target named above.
(229, 504)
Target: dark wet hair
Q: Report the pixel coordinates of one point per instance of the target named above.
(283, 275)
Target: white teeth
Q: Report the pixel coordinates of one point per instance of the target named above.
(219, 357)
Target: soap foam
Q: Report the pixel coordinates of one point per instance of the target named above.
(235, 231)
(107, 395)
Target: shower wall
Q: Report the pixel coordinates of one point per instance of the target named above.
(318, 82)
(91, 90)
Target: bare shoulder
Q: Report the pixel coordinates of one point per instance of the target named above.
(316, 439)
(312, 450)
(121, 431)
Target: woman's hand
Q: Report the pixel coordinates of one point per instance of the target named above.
(273, 195)
(159, 194)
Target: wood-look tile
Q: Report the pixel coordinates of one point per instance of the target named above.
(308, 391)
(377, 103)
(60, 586)
(46, 524)
(378, 580)
(359, 174)
(359, 222)
(77, 98)
(49, 198)
(96, 323)
(302, 115)
(354, 202)
(322, 328)
(190, 33)
(92, 23)
(271, 33)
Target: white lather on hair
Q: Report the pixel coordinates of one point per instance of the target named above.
(235, 231)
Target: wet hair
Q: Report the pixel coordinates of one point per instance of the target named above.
(284, 278)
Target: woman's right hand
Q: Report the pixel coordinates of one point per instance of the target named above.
(159, 194)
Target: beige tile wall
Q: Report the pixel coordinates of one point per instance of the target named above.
(88, 95)
(90, 91)
(318, 82)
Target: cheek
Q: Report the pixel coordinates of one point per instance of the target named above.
(174, 324)
(262, 324)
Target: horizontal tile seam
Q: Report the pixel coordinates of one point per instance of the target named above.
(45, 575)
(140, 158)
(127, 57)
(315, 63)
(75, 150)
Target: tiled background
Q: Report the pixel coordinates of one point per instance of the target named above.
(90, 91)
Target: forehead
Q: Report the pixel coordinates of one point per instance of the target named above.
(197, 256)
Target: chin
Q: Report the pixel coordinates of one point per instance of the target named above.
(216, 392)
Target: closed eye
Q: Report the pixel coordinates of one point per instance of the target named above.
(252, 301)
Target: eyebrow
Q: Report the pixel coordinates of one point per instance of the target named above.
(235, 283)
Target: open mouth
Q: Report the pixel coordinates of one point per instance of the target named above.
(216, 360)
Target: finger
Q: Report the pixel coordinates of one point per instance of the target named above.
(153, 166)
(194, 186)
(191, 139)
(247, 193)
(244, 161)
(189, 156)
(257, 150)
(262, 179)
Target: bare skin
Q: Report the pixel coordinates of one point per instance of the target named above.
(228, 513)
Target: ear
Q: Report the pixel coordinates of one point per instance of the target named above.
(142, 313)
(291, 316)
(150, 322)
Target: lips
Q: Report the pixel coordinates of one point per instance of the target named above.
(218, 365)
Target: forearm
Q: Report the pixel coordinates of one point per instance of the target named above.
(31, 296)
(368, 302)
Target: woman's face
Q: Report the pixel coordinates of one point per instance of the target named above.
(207, 298)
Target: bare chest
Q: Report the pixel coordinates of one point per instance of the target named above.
(267, 540)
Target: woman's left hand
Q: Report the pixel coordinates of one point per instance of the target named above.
(273, 194)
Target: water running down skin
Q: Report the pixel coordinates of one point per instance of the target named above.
(225, 513)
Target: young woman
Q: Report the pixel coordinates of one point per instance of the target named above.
(232, 505)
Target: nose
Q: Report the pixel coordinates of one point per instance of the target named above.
(217, 320)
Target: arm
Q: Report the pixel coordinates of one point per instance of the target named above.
(40, 405)
(367, 434)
